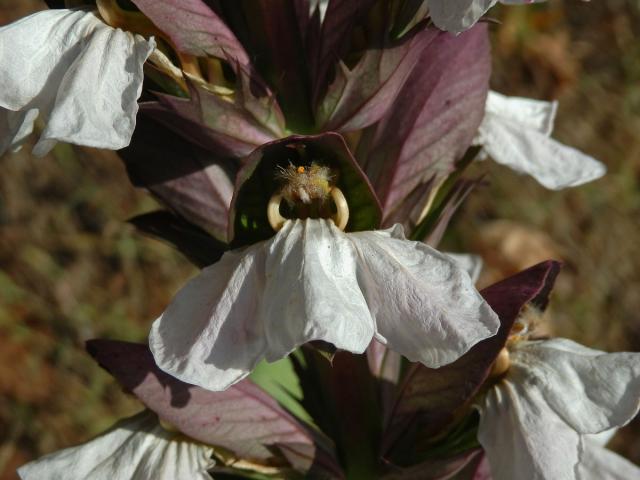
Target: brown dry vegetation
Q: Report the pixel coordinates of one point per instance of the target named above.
(72, 269)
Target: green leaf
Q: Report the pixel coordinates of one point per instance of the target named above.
(279, 380)
(194, 243)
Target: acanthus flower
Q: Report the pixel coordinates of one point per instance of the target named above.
(327, 274)
(536, 421)
(80, 76)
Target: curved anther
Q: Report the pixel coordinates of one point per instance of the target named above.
(273, 212)
(341, 218)
(168, 426)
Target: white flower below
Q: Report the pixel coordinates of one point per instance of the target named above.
(516, 132)
(312, 281)
(136, 448)
(459, 15)
(81, 77)
(537, 421)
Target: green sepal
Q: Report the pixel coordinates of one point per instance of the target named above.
(444, 197)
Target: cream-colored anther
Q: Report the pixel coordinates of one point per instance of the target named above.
(168, 426)
(273, 212)
(341, 218)
(502, 364)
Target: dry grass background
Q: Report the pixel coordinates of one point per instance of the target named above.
(72, 269)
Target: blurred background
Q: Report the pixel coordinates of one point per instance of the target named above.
(71, 268)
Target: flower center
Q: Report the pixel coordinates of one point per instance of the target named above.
(305, 184)
(306, 191)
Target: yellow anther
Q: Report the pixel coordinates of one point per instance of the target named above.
(501, 364)
(168, 426)
(300, 169)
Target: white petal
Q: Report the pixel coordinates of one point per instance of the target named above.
(212, 334)
(601, 438)
(457, 15)
(536, 114)
(83, 77)
(529, 151)
(522, 437)
(599, 463)
(312, 292)
(590, 390)
(425, 306)
(472, 264)
(137, 448)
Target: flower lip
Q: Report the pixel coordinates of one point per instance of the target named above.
(350, 288)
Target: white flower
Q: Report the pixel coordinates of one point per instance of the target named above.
(459, 15)
(309, 282)
(536, 422)
(516, 132)
(79, 75)
(136, 448)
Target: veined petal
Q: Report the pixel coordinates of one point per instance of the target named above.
(212, 333)
(82, 76)
(135, 448)
(591, 391)
(529, 151)
(424, 305)
(312, 292)
(599, 463)
(523, 437)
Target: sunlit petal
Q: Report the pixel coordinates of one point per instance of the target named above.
(425, 306)
(591, 391)
(82, 76)
(135, 448)
(212, 333)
